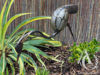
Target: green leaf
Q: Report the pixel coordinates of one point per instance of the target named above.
(16, 37)
(28, 59)
(9, 22)
(7, 12)
(9, 61)
(55, 43)
(35, 42)
(2, 64)
(21, 66)
(43, 42)
(7, 72)
(35, 50)
(1, 20)
(42, 71)
(13, 49)
(25, 22)
(2, 13)
(12, 19)
(13, 57)
(97, 49)
(39, 59)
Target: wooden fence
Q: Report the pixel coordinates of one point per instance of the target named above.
(85, 24)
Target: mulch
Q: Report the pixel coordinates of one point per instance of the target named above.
(67, 68)
(55, 68)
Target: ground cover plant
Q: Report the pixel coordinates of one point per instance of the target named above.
(85, 53)
(8, 54)
(78, 51)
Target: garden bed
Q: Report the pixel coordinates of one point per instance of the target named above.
(67, 68)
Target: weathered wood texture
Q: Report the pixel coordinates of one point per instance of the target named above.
(85, 24)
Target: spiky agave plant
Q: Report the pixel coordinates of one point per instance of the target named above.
(8, 53)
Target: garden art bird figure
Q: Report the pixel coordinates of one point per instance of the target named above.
(59, 21)
(60, 18)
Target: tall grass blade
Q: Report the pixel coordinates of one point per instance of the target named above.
(7, 11)
(9, 22)
(1, 20)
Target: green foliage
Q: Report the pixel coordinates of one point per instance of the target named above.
(8, 54)
(78, 51)
(42, 71)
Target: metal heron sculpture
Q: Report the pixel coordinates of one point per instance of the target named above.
(60, 18)
(59, 21)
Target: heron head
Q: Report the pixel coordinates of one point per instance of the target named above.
(72, 8)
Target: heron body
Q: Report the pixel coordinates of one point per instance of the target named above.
(60, 18)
